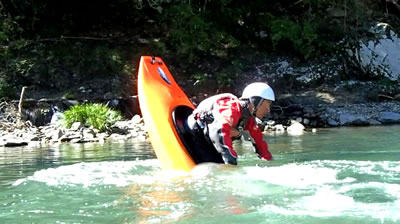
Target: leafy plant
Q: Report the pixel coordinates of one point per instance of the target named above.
(55, 45)
(6, 90)
(69, 94)
(200, 78)
(192, 34)
(301, 37)
(97, 115)
(227, 76)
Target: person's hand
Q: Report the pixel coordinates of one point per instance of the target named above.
(235, 133)
(264, 158)
(260, 124)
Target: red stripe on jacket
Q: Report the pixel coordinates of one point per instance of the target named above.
(229, 112)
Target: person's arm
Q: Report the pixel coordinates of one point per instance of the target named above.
(220, 133)
(261, 147)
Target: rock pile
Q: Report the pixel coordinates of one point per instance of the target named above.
(349, 115)
(54, 133)
(293, 121)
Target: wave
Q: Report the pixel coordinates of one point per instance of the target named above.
(118, 173)
(321, 188)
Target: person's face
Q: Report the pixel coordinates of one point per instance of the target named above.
(263, 109)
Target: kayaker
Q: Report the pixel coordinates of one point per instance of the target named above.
(221, 117)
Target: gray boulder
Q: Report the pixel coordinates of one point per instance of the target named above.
(389, 117)
(379, 56)
(351, 119)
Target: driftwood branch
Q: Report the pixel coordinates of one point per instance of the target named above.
(57, 39)
(21, 99)
(75, 38)
(386, 97)
(395, 3)
(296, 3)
(10, 119)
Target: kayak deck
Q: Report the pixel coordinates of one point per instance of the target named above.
(198, 147)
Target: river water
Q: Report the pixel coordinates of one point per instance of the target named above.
(343, 175)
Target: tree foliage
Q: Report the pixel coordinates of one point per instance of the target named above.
(44, 40)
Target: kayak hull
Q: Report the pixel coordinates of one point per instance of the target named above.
(165, 107)
(159, 95)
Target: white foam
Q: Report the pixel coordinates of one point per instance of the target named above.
(317, 191)
(119, 173)
(313, 188)
(328, 203)
(295, 175)
(325, 202)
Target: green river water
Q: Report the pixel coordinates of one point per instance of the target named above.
(341, 175)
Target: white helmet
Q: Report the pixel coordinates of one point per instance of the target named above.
(259, 89)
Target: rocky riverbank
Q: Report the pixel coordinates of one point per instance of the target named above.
(325, 115)
(294, 119)
(56, 133)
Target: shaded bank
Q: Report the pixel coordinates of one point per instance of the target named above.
(293, 118)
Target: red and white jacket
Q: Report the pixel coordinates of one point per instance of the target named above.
(226, 112)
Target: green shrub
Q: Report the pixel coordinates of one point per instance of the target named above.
(301, 37)
(191, 33)
(6, 90)
(97, 115)
(227, 76)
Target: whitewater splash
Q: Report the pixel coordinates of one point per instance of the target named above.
(315, 188)
(95, 173)
(334, 189)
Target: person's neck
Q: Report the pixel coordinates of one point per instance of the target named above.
(250, 106)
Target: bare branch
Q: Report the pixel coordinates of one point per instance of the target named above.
(395, 3)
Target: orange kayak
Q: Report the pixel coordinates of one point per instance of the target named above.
(164, 108)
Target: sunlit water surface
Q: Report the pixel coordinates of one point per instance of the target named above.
(345, 175)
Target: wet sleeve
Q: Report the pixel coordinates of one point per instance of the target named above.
(260, 145)
(219, 132)
(227, 122)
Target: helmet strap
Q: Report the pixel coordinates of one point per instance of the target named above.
(259, 103)
(256, 102)
(246, 114)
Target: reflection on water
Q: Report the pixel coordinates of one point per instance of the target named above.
(373, 143)
(19, 162)
(344, 175)
(157, 200)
